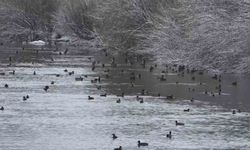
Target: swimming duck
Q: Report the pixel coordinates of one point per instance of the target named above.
(142, 144)
(46, 88)
(179, 123)
(114, 136)
(170, 97)
(79, 79)
(104, 95)
(118, 101)
(6, 86)
(169, 135)
(234, 83)
(2, 108)
(186, 110)
(90, 98)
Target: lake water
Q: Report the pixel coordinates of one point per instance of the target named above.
(64, 118)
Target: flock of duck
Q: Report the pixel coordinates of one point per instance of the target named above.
(180, 70)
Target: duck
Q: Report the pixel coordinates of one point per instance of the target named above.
(151, 69)
(142, 144)
(169, 135)
(12, 72)
(234, 83)
(24, 98)
(119, 148)
(2, 108)
(141, 101)
(170, 97)
(90, 98)
(179, 123)
(118, 101)
(114, 136)
(79, 79)
(66, 51)
(34, 73)
(52, 82)
(234, 112)
(186, 110)
(139, 76)
(6, 86)
(46, 88)
(193, 78)
(104, 95)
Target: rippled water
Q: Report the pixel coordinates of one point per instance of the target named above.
(64, 118)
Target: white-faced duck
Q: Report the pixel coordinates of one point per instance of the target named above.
(90, 98)
(104, 95)
(118, 101)
(186, 110)
(34, 73)
(2, 108)
(57, 75)
(65, 70)
(169, 135)
(52, 82)
(119, 148)
(6, 86)
(142, 144)
(79, 79)
(141, 101)
(179, 123)
(114, 136)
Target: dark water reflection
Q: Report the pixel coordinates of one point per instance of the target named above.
(63, 117)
